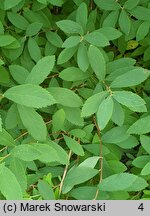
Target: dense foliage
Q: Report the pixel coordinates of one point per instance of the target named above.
(74, 99)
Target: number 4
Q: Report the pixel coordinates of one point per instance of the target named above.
(141, 207)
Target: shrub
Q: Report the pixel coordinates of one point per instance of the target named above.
(74, 113)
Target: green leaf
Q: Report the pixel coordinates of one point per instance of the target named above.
(65, 55)
(97, 39)
(97, 62)
(70, 27)
(45, 190)
(141, 126)
(43, 2)
(129, 143)
(80, 133)
(110, 33)
(30, 96)
(0, 124)
(120, 64)
(118, 72)
(130, 4)
(147, 54)
(34, 151)
(104, 112)
(12, 116)
(124, 22)
(111, 19)
(33, 122)
(73, 74)
(4, 75)
(94, 149)
(8, 180)
(33, 28)
(132, 44)
(81, 15)
(14, 45)
(18, 73)
(92, 104)
(143, 30)
(90, 162)
(115, 135)
(49, 49)
(17, 167)
(53, 155)
(141, 161)
(54, 39)
(129, 99)
(118, 115)
(122, 182)
(71, 41)
(145, 140)
(17, 20)
(58, 120)
(84, 192)
(65, 97)
(33, 16)
(73, 115)
(34, 50)
(82, 57)
(74, 146)
(1, 62)
(107, 5)
(116, 166)
(78, 175)
(130, 78)
(62, 155)
(41, 70)
(141, 13)
(146, 169)
(114, 154)
(6, 139)
(1, 28)
(8, 4)
(138, 185)
(6, 40)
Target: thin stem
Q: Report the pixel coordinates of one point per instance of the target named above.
(48, 122)
(58, 139)
(100, 156)
(22, 135)
(3, 158)
(57, 132)
(3, 148)
(80, 86)
(38, 195)
(64, 174)
(108, 88)
(136, 196)
(53, 75)
(91, 5)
